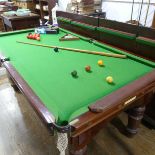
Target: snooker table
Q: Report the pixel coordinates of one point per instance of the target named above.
(78, 106)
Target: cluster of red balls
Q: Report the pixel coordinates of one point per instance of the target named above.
(34, 36)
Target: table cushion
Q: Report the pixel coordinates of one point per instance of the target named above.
(65, 20)
(82, 25)
(117, 33)
(145, 41)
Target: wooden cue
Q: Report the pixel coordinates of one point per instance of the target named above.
(77, 50)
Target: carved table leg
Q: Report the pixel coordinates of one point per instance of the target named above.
(13, 84)
(79, 152)
(79, 144)
(135, 116)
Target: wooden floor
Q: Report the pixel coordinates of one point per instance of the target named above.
(22, 132)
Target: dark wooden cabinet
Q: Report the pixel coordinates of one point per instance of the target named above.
(18, 23)
(9, 8)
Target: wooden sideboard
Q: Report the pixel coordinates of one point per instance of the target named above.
(9, 8)
(20, 22)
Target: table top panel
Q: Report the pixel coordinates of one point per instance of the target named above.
(49, 73)
(32, 15)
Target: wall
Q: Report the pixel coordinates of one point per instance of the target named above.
(121, 11)
(63, 4)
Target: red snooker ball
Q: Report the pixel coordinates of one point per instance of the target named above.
(88, 68)
(38, 38)
(38, 35)
(34, 37)
(30, 36)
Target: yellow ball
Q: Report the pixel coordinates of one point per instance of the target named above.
(100, 63)
(109, 79)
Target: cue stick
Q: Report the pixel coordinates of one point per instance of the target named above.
(148, 7)
(133, 2)
(137, 33)
(140, 13)
(78, 50)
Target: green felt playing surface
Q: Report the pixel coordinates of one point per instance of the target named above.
(49, 73)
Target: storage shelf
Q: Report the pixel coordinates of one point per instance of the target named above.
(44, 8)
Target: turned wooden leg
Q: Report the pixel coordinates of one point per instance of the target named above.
(10, 80)
(13, 84)
(135, 116)
(78, 145)
(82, 151)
